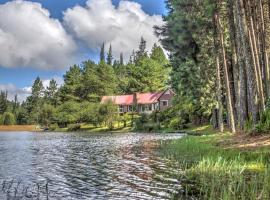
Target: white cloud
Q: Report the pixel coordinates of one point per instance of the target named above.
(12, 90)
(100, 21)
(24, 92)
(30, 38)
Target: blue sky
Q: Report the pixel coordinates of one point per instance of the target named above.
(79, 46)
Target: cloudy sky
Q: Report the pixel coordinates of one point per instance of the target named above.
(44, 37)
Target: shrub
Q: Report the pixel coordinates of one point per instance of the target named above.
(8, 119)
(74, 127)
(53, 127)
(263, 125)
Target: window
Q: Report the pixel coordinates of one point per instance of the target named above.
(130, 108)
(165, 103)
(121, 109)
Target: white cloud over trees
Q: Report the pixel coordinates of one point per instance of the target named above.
(123, 26)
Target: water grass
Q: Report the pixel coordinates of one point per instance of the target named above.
(211, 172)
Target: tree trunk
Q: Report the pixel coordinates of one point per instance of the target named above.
(245, 48)
(235, 64)
(226, 76)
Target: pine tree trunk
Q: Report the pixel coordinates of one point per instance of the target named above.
(235, 65)
(254, 41)
(265, 44)
(242, 30)
(226, 76)
(243, 105)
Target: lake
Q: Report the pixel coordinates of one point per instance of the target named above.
(85, 166)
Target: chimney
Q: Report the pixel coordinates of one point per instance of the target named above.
(135, 107)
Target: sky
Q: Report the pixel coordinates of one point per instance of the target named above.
(44, 37)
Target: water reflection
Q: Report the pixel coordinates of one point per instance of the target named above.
(84, 166)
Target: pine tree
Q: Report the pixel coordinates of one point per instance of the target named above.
(110, 56)
(102, 53)
(121, 59)
(141, 53)
(3, 102)
(50, 93)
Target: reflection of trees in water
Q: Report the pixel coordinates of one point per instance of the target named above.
(82, 166)
(16, 190)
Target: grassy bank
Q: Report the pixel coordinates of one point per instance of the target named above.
(214, 169)
(18, 128)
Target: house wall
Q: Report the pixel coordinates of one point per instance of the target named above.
(166, 97)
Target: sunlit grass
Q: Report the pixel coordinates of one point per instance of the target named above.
(211, 172)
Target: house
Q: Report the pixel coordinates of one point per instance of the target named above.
(141, 102)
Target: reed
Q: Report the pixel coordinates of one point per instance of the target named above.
(211, 172)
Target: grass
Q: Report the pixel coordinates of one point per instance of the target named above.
(118, 128)
(212, 172)
(18, 128)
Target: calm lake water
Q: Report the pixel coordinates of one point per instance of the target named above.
(84, 166)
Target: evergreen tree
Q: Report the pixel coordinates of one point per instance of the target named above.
(158, 55)
(51, 93)
(102, 53)
(72, 84)
(121, 59)
(3, 102)
(141, 53)
(110, 56)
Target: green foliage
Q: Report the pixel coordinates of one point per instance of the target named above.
(263, 125)
(74, 127)
(3, 102)
(187, 36)
(110, 56)
(248, 127)
(8, 119)
(90, 113)
(46, 115)
(67, 113)
(53, 127)
(51, 93)
(108, 112)
(102, 53)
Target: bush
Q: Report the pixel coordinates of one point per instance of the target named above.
(8, 119)
(53, 127)
(263, 125)
(74, 127)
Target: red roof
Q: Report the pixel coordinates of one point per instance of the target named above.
(118, 100)
(148, 98)
(142, 98)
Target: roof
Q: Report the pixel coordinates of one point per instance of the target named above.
(148, 98)
(118, 100)
(142, 98)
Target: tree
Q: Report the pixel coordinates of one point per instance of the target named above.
(102, 53)
(34, 101)
(158, 55)
(109, 114)
(141, 53)
(72, 84)
(8, 119)
(51, 93)
(121, 59)
(46, 115)
(3, 102)
(110, 56)
(67, 113)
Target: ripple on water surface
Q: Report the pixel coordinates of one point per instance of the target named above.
(84, 166)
